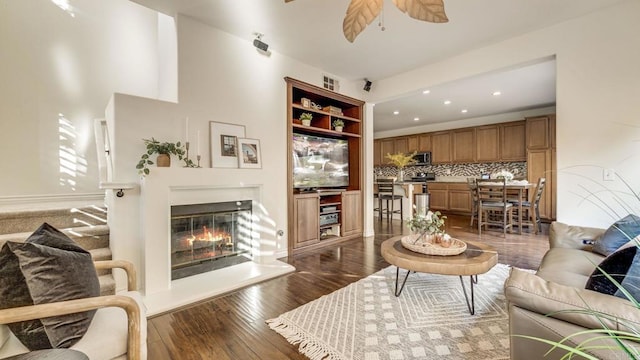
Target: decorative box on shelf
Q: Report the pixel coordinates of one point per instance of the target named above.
(332, 110)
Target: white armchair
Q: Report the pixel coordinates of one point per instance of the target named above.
(118, 329)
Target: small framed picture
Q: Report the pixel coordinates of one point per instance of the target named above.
(249, 156)
(223, 139)
(228, 145)
(305, 102)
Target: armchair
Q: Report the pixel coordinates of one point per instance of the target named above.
(118, 329)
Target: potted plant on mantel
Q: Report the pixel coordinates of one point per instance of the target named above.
(338, 125)
(164, 151)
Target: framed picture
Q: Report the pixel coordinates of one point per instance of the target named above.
(223, 139)
(305, 102)
(249, 157)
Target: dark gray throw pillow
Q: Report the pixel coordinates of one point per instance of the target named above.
(48, 267)
(618, 234)
(624, 267)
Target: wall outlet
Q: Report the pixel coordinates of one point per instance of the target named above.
(608, 175)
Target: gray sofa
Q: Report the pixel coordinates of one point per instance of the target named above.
(538, 303)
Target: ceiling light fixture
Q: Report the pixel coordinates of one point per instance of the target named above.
(447, 102)
(396, 112)
(416, 119)
(496, 93)
(361, 13)
(464, 111)
(426, 92)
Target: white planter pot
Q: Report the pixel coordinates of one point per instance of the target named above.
(338, 128)
(306, 122)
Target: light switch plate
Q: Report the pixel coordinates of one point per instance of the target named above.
(608, 175)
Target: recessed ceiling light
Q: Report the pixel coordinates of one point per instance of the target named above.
(447, 102)
(464, 111)
(396, 112)
(426, 92)
(416, 119)
(497, 93)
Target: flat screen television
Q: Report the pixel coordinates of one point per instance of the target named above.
(320, 162)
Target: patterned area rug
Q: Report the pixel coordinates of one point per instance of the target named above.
(429, 320)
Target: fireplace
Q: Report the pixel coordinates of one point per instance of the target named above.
(207, 237)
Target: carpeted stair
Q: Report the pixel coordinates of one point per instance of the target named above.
(87, 226)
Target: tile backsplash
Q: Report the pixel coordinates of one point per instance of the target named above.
(518, 169)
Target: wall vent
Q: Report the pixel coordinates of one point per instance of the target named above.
(330, 83)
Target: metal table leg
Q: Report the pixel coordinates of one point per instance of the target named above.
(397, 293)
(473, 279)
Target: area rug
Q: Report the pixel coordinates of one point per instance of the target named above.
(429, 320)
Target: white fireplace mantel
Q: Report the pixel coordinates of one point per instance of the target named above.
(175, 186)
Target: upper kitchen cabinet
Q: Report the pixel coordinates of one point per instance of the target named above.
(424, 142)
(513, 141)
(441, 147)
(400, 145)
(386, 147)
(377, 152)
(538, 133)
(464, 145)
(487, 141)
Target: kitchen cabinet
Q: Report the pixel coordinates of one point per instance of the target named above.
(441, 147)
(537, 133)
(438, 196)
(424, 142)
(538, 163)
(413, 144)
(387, 146)
(487, 143)
(400, 145)
(459, 198)
(377, 153)
(463, 145)
(513, 141)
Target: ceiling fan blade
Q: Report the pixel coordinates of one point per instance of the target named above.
(288, 1)
(425, 10)
(359, 14)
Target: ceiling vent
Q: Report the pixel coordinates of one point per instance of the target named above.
(330, 83)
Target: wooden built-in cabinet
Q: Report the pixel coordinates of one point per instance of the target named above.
(441, 147)
(438, 196)
(308, 212)
(512, 141)
(450, 197)
(541, 160)
(463, 145)
(488, 143)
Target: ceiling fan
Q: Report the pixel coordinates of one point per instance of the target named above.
(362, 12)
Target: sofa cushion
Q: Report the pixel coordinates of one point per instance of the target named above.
(624, 267)
(48, 267)
(569, 267)
(617, 235)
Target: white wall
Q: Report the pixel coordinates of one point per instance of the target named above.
(52, 64)
(598, 119)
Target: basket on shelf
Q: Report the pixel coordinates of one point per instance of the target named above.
(425, 246)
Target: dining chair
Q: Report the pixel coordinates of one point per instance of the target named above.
(389, 192)
(471, 182)
(493, 207)
(531, 207)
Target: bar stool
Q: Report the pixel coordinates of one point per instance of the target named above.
(389, 191)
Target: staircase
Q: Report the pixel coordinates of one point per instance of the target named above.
(87, 226)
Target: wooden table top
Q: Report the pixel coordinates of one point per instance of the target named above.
(477, 259)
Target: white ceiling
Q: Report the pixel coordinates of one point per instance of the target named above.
(311, 31)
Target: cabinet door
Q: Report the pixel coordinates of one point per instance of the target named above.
(438, 196)
(512, 142)
(487, 140)
(306, 212)
(351, 213)
(387, 147)
(424, 142)
(538, 133)
(377, 151)
(539, 165)
(441, 147)
(460, 200)
(464, 145)
(400, 145)
(413, 143)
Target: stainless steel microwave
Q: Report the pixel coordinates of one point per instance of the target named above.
(423, 158)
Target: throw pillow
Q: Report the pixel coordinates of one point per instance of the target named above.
(624, 267)
(48, 267)
(617, 235)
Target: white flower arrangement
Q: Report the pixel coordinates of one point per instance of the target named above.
(503, 174)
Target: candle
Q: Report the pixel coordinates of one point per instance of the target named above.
(186, 129)
(198, 143)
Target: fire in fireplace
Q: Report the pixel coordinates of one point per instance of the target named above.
(206, 237)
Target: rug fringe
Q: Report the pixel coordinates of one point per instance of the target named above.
(312, 349)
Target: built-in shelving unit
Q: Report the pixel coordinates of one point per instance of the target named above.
(318, 218)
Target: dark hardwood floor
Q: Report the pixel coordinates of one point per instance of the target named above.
(233, 326)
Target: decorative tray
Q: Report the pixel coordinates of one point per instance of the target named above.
(426, 247)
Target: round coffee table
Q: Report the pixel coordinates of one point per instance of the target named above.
(477, 259)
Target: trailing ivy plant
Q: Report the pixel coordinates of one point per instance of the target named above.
(156, 147)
